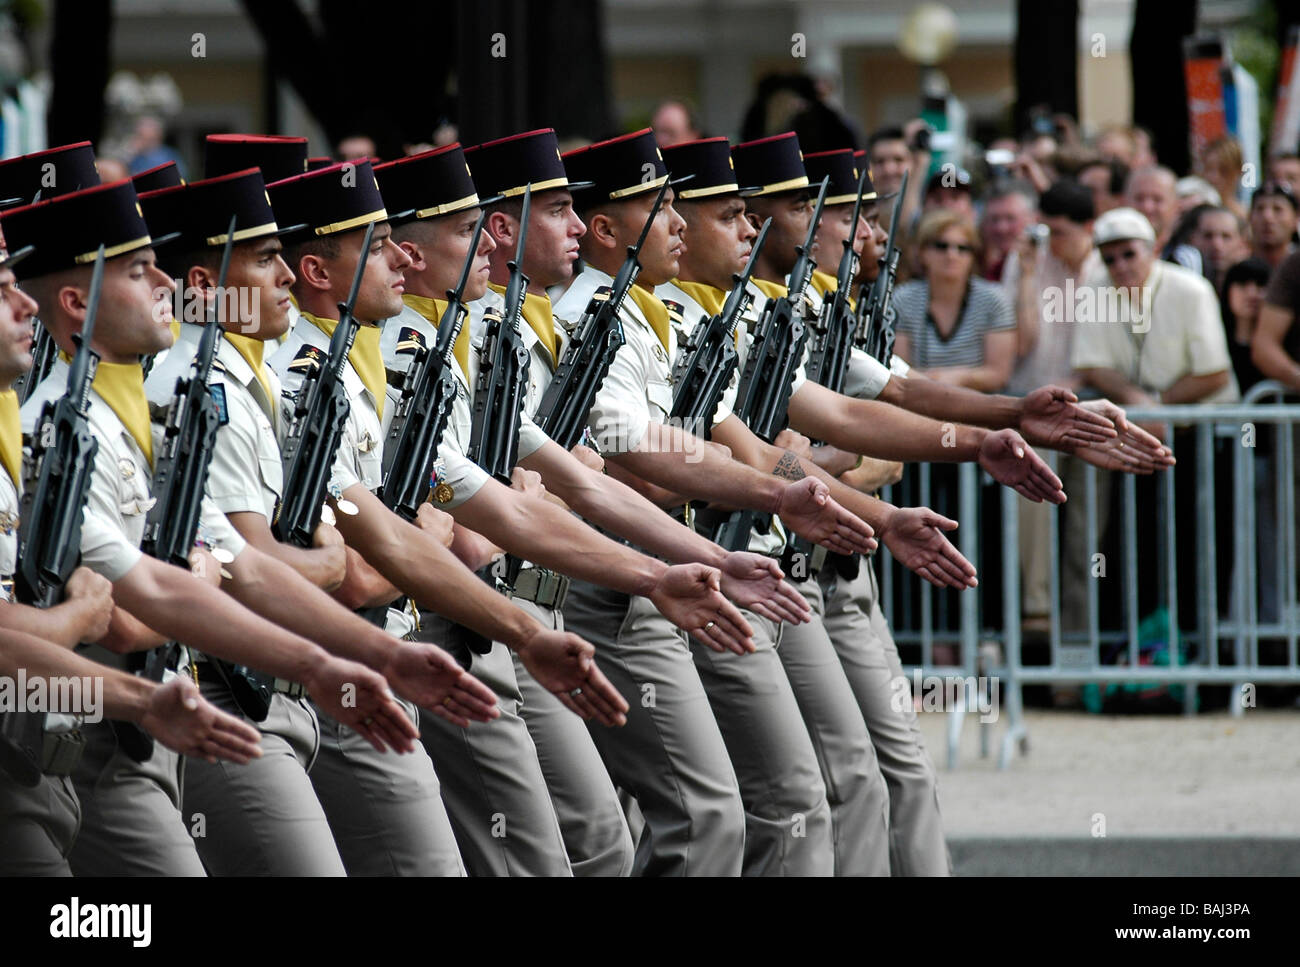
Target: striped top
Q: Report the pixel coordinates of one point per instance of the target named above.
(987, 309)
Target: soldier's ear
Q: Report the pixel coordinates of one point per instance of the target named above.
(199, 277)
(601, 230)
(501, 227)
(414, 254)
(312, 272)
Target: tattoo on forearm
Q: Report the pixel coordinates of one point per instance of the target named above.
(789, 467)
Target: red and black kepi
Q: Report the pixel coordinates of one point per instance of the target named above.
(67, 231)
(197, 215)
(774, 165)
(429, 184)
(50, 173)
(841, 167)
(620, 168)
(278, 157)
(708, 162)
(331, 200)
(165, 175)
(507, 166)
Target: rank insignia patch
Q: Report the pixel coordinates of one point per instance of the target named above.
(308, 358)
(409, 340)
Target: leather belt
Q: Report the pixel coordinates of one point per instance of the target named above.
(208, 673)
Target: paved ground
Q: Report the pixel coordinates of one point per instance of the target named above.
(1149, 776)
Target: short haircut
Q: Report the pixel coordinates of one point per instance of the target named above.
(1164, 173)
(177, 264)
(1118, 173)
(1006, 187)
(324, 246)
(888, 133)
(1066, 198)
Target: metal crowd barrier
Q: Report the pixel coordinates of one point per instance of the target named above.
(1223, 642)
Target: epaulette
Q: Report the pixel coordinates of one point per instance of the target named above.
(307, 358)
(675, 310)
(410, 340)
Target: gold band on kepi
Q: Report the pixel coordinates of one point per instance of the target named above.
(619, 168)
(536, 186)
(505, 167)
(775, 164)
(329, 201)
(428, 185)
(67, 231)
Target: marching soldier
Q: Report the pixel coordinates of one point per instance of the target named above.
(333, 206)
(265, 818)
(676, 745)
(131, 818)
(437, 184)
(38, 824)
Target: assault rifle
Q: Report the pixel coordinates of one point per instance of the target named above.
(562, 412)
(319, 414)
(503, 371)
(180, 469)
(707, 359)
(828, 356)
(422, 413)
(55, 493)
(763, 399)
(875, 330)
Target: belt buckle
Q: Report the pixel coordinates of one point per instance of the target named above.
(552, 589)
(61, 752)
(292, 690)
(817, 560)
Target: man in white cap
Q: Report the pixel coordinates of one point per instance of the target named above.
(1155, 335)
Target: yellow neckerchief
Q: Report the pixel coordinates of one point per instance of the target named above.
(654, 310)
(537, 313)
(11, 437)
(824, 283)
(827, 285)
(253, 351)
(365, 357)
(175, 327)
(432, 310)
(710, 297)
(121, 386)
(773, 290)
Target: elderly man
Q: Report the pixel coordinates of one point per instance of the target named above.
(1155, 338)
(1153, 191)
(1166, 344)
(1008, 212)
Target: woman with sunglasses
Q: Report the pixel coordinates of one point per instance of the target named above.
(952, 325)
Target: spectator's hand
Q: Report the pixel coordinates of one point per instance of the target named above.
(1141, 446)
